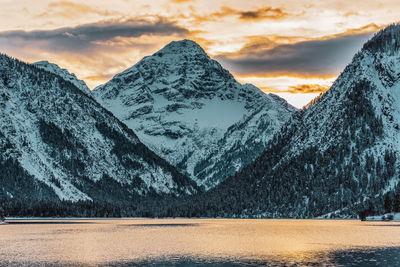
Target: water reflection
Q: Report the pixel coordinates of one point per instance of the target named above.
(183, 242)
(376, 257)
(46, 222)
(160, 225)
(367, 257)
(384, 225)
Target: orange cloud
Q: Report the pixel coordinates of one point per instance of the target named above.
(258, 43)
(308, 88)
(224, 12)
(300, 88)
(291, 75)
(70, 10)
(351, 13)
(264, 13)
(96, 79)
(369, 28)
(181, 1)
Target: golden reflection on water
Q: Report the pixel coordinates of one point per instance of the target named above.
(129, 240)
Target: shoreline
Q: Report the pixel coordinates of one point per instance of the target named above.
(171, 218)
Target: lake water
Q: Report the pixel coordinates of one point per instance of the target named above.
(199, 242)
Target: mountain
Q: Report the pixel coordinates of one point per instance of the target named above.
(339, 157)
(193, 113)
(65, 74)
(58, 143)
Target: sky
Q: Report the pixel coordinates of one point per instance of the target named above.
(294, 48)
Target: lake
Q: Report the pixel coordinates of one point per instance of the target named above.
(199, 242)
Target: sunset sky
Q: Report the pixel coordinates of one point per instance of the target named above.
(293, 48)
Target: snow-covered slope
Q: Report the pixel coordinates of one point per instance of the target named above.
(59, 143)
(193, 113)
(340, 155)
(65, 74)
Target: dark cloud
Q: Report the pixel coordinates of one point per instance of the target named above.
(308, 58)
(84, 37)
(95, 51)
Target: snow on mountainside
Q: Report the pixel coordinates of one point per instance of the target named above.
(65, 74)
(193, 113)
(339, 156)
(59, 143)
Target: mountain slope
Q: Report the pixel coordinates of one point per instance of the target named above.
(65, 74)
(56, 142)
(338, 157)
(193, 113)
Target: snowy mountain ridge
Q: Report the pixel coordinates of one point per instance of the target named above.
(192, 112)
(65, 74)
(59, 143)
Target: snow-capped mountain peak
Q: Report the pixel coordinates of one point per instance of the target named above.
(191, 111)
(183, 47)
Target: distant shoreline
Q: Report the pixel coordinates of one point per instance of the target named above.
(168, 218)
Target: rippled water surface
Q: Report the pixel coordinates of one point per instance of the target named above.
(199, 242)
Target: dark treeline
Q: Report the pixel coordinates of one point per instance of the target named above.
(50, 208)
(160, 207)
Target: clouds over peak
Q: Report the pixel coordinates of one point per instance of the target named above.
(323, 57)
(83, 37)
(96, 51)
